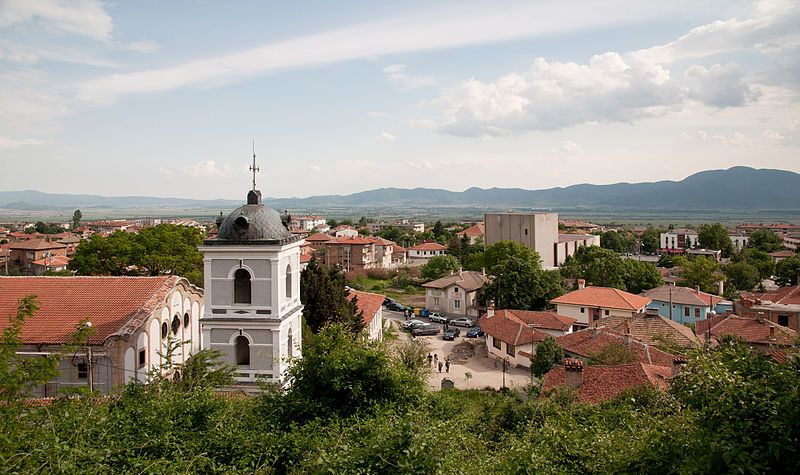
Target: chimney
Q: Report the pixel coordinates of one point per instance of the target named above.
(460, 272)
(581, 283)
(697, 288)
(772, 332)
(677, 365)
(573, 372)
(627, 332)
(720, 288)
(490, 309)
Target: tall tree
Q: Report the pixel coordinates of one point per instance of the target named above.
(440, 266)
(787, 270)
(324, 294)
(641, 276)
(715, 236)
(758, 259)
(765, 240)
(76, 219)
(651, 240)
(519, 281)
(438, 229)
(742, 276)
(699, 271)
(598, 266)
(615, 241)
(548, 354)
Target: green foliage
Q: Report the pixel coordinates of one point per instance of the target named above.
(760, 260)
(641, 276)
(787, 270)
(765, 240)
(204, 370)
(159, 250)
(323, 293)
(715, 236)
(666, 261)
(613, 354)
(76, 219)
(700, 271)
(548, 354)
(470, 255)
(438, 229)
(742, 276)
(651, 240)
(618, 242)
(20, 374)
(604, 268)
(440, 266)
(519, 281)
(47, 228)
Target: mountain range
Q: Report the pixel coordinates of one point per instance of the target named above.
(737, 188)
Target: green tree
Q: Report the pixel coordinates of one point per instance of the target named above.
(715, 236)
(699, 271)
(440, 266)
(742, 276)
(651, 240)
(362, 221)
(787, 270)
(519, 281)
(19, 374)
(324, 294)
(765, 240)
(438, 229)
(548, 354)
(504, 250)
(598, 266)
(641, 276)
(615, 241)
(115, 255)
(758, 259)
(76, 219)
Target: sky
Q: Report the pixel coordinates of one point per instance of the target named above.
(162, 98)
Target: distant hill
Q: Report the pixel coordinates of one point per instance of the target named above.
(737, 188)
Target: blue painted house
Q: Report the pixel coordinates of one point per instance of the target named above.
(688, 305)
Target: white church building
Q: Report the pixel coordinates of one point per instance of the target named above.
(252, 309)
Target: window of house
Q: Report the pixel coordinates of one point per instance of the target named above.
(783, 320)
(289, 281)
(436, 301)
(510, 349)
(456, 303)
(290, 343)
(241, 286)
(186, 319)
(496, 343)
(164, 330)
(606, 312)
(176, 324)
(83, 371)
(142, 357)
(583, 310)
(686, 312)
(242, 349)
(696, 313)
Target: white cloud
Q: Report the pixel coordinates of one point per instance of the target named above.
(425, 165)
(81, 17)
(554, 95)
(143, 46)
(398, 75)
(569, 148)
(720, 86)
(206, 168)
(28, 55)
(774, 136)
(8, 143)
(734, 139)
(314, 168)
(165, 171)
(377, 114)
(387, 137)
(431, 29)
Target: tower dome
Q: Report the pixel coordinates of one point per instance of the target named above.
(253, 223)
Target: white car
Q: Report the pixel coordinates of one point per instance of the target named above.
(410, 324)
(437, 317)
(462, 322)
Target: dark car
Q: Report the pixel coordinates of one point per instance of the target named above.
(475, 332)
(451, 334)
(425, 329)
(387, 301)
(396, 306)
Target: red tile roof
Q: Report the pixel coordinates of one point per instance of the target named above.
(785, 296)
(346, 240)
(473, 231)
(304, 258)
(368, 303)
(511, 330)
(114, 305)
(652, 329)
(319, 237)
(544, 320)
(37, 245)
(468, 280)
(591, 341)
(752, 330)
(602, 383)
(428, 246)
(52, 261)
(604, 297)
(682, 295)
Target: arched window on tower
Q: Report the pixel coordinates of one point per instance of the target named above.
(289, 281)
(242, 346)
(290, 343)
(241, 286)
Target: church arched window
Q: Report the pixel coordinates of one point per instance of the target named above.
(289, 281)
(241, 286)
(290, 343)
(242, 348)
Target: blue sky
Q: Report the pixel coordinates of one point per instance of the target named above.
(164, 98)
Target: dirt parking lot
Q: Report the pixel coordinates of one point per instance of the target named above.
(468, 356)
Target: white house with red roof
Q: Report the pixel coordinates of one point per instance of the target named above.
(589, 304)
(514, 334)
(133, 319)
(421, 253)
(370, 306)
(474, 233)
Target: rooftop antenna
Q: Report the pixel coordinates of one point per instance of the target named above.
(254, 168)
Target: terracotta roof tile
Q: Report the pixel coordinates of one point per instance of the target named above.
(510, 330)
(112, 304)
(368, 303)
(37, 245)
(602, 383)
(469, 280)
(544, 320)
(682, 295)
(605, 297)
(652, 329)
(589, 342)
(428, 246)
(752, 330)
(319, 237)
(53, 261)
(474, 230)
(784, 296)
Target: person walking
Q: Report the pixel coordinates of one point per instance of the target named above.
(447, 364)
(440, 366)
(435, 359)
(430, 359)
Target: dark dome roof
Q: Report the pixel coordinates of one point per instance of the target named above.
(253, 222)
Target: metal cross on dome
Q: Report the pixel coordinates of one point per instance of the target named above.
(254, 168)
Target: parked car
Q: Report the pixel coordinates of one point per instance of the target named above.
(410, 324)
(425, 329)
(462, 322)
(396, 306)
(475, 332)
(451, 334)
(387, 301)
(437, 317)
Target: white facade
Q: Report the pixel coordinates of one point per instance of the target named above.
(586, 314)
(678, 239)
(270, 323)
(739, 241)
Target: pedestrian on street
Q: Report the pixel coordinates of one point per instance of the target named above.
(440, 366)
(435, 359)
(430, 359)
(447, 364)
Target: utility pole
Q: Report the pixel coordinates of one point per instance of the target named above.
(89, 376)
